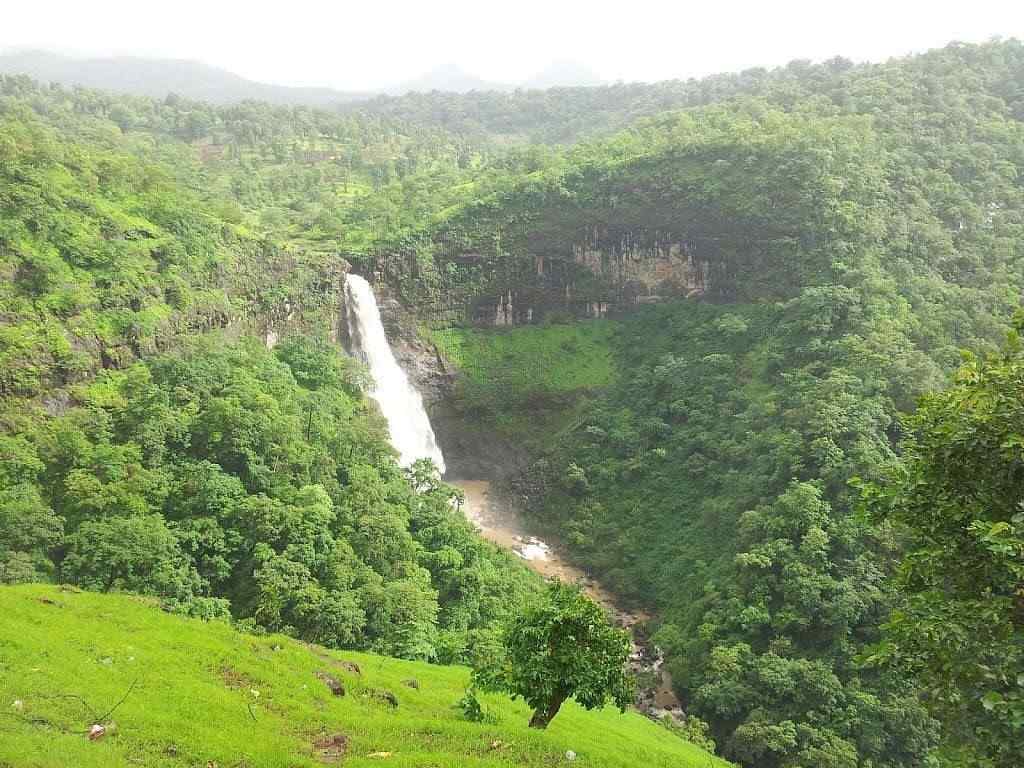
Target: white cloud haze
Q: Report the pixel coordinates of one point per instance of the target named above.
(357, 45)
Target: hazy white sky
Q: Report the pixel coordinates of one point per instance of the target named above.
(371, 43)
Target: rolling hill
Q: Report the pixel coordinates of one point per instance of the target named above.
(169, 691)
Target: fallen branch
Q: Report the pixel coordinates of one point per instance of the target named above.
(109, 712)
(94, 719)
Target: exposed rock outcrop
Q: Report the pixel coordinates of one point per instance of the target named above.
(595, 273)
(470, 451)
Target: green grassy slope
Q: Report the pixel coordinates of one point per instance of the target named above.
(555, 357)
(205, 695)
(532, 381)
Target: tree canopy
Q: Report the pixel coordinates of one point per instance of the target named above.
(958, 498)
(559, 647)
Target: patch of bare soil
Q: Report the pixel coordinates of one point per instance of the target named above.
(330, 748)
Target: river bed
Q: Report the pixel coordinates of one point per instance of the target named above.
(498, 522)
(413, 437)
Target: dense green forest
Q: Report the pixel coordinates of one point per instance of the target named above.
(835, 574)
(226, 478)
(151, 442)
(861, 228)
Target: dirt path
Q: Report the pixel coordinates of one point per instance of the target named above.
(498, 522)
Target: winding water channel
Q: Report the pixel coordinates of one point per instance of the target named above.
(498, 522)
(413, 436)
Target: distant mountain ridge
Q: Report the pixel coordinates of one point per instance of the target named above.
(448, 77)
(156, 78)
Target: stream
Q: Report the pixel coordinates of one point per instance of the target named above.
(498, 522)
(413, 437)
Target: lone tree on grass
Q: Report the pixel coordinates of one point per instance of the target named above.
(560, 647)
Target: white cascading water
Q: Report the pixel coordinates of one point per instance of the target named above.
(402, 406)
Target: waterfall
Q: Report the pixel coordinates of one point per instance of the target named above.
(402, 406)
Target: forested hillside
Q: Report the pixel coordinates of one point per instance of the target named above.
(300, 174)
(150, 440)
(713, 327)
(565, 115)
(855, 232)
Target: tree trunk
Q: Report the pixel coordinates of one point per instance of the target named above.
(543, 716)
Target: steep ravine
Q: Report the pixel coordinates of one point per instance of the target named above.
(497, 520)
(479, 462)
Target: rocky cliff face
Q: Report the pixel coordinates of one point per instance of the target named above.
(314, 308)
(598, 282)
(637, 272)
(593, 275)
(470, 451)
(597, 273)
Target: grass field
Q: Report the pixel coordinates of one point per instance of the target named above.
(202, 694)
(532, 379)
(559, 357)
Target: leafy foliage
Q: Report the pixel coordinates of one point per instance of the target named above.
(957, 498)
(215, 475)
(557, 648)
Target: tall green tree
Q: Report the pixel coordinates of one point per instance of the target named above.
(561, 647)
(959, 499)
(771, 667)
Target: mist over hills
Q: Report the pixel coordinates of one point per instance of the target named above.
(450, 77)
(156, 78)
(447, 77)
(564, 73)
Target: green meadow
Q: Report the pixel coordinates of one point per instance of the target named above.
(189, 693)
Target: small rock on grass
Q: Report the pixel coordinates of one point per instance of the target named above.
(384, 697)
(331, 749)
(350, 666)
(333, 683)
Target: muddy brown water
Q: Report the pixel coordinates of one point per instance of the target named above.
(499, 523)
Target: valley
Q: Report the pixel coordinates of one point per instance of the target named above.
(283, 386)
(491, 512)
(498, 522)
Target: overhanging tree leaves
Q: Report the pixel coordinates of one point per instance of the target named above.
(960, 499)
